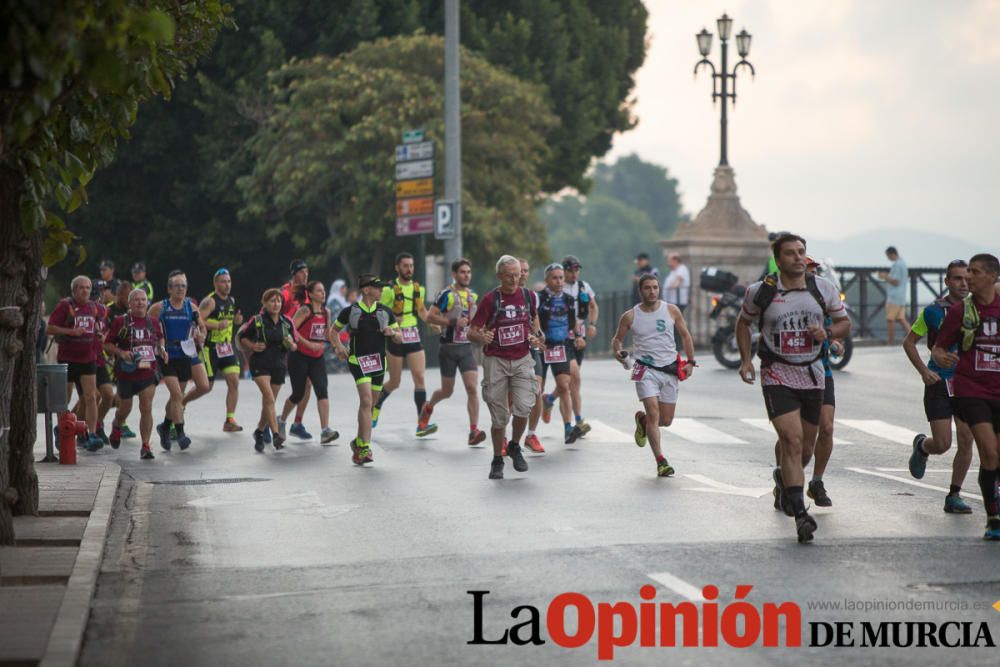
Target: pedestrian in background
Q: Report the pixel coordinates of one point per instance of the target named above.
(140, 281)
(642, 268)
(677, 286)
(895, 294)
(107, 271)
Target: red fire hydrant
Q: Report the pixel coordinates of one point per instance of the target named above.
(69, 429)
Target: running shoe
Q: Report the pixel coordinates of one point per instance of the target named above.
(127, 433)
(496, 468)
(102, 435)
(267, 435)
(532, 443)
(918, 460)
(258, 440)
(365, 452)
(427, 429)
(572, 434)
(183, 442)
(476, 437)
(116, 437)
(953, 504)
(547, 402)
(164, 432)
(328, 435)
(278, 442)
(640, 428)
(94, 443)
(230, 426)
(805, 526)
(992, 528)
(817, 492)
(299, 431)
(664, 469)
(362, 453)
(282, 430)
(503, 448)
(354, 452)
(376, 411)
(516, 457)
(425, 416)
(584, 427)
(146, 454)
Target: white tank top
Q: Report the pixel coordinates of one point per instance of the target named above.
(653, 336)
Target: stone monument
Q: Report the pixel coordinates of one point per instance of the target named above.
(722, 235)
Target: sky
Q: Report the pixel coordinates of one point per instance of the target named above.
(864, 114)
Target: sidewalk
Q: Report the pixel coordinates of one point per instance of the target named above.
(47, 579)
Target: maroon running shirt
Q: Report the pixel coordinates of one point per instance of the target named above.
(70, 314)
(511, 325)
(978, 372)
(141, 337)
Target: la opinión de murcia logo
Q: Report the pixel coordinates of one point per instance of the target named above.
(707, 624)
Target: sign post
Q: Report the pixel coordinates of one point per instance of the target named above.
(414, 185)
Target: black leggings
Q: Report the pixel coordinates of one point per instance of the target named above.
(302, 368)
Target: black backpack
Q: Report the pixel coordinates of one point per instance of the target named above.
(765, 295)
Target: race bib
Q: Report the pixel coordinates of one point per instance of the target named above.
(638, 372)
(223, 350)
(795, 342)
(189, 347)
(988, 358)
(85, 322)
(512, 334)
(461, 335)
(143, 353)
(370, 364)
(410, 334)
(555, 355)
(949, 385)
(318, 331)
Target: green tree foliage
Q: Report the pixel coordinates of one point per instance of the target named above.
(642, 185)
(72, 76)
(323, 169)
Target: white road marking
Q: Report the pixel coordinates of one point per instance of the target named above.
(695, 431)
(601, 431)
(910, 482)
(881, 429)
(721, 487)
(907, 470)
(764, 424)
(677, 585)
(307, 502)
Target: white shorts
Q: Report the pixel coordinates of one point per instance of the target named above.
(657, 383)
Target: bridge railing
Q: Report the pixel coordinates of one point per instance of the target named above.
(865, 292)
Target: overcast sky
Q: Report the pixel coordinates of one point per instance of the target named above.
(864, 113)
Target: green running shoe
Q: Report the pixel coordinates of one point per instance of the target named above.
(640, 428)
(953, 504)
(664, 469)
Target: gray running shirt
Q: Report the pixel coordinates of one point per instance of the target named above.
(653, 335)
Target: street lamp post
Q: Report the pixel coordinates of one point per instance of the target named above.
(720, 80)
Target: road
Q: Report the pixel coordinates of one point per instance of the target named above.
(219, 555)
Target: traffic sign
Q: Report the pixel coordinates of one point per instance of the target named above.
(444, 219)
(420, 151)
(415, 206)
(420, 187)
(408, 225)
(418, 169)
(413, 136)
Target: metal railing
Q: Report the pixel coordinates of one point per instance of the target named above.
(865, 292)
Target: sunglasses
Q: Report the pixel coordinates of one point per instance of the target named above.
(221, 272)
(178, 286)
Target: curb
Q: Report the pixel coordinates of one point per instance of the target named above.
(66, 637)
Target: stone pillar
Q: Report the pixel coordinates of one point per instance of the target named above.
(722, 235)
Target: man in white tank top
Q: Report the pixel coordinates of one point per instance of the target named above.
(658, 367)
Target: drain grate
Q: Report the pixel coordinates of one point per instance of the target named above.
(203, 482)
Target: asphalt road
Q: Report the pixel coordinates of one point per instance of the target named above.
(219, 555)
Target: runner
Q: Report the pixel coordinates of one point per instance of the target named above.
(405, 297)
(116, 309)
(74, 324)
(370, 323)
(790, 308)
(219, 312)
(531, 440)
(291, 293)
(506, 323)
(586, 327)
(105, 389)
(306, 364)
(974, 325)
(938, 391)
(267, 337)
(557, 321)
(453, 309)
(658, 368)
(135, 340)
(183, 331)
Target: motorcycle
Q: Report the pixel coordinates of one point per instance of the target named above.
(726, 302)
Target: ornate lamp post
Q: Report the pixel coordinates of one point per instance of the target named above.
(721, 80)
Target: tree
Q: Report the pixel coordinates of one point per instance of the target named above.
(73, 75)
(645, 186)
(323, 170)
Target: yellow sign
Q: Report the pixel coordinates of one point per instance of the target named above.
(420, 187)
(418, 206)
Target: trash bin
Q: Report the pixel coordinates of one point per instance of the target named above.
(51, 381)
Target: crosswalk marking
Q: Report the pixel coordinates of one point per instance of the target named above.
(601, 431)
(881, 429)
(764, 424)
(677, 585)
(695, 431)
(911, 482)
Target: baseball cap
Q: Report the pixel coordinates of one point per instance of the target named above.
(371, 281)
(571, 262)
(106, 264)
(810, 261)
(642, 255)
(138, 266)
(297, 265)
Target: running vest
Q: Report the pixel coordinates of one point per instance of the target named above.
(653, 341)
(313, 329)
(176, 323)
(932, 334)
(555, 315)
(462, 301)
(225, 309)
(765, 295)
(354, 317)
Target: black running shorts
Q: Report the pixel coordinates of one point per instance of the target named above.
(781, 400)
(977, 411)
(937, 402)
